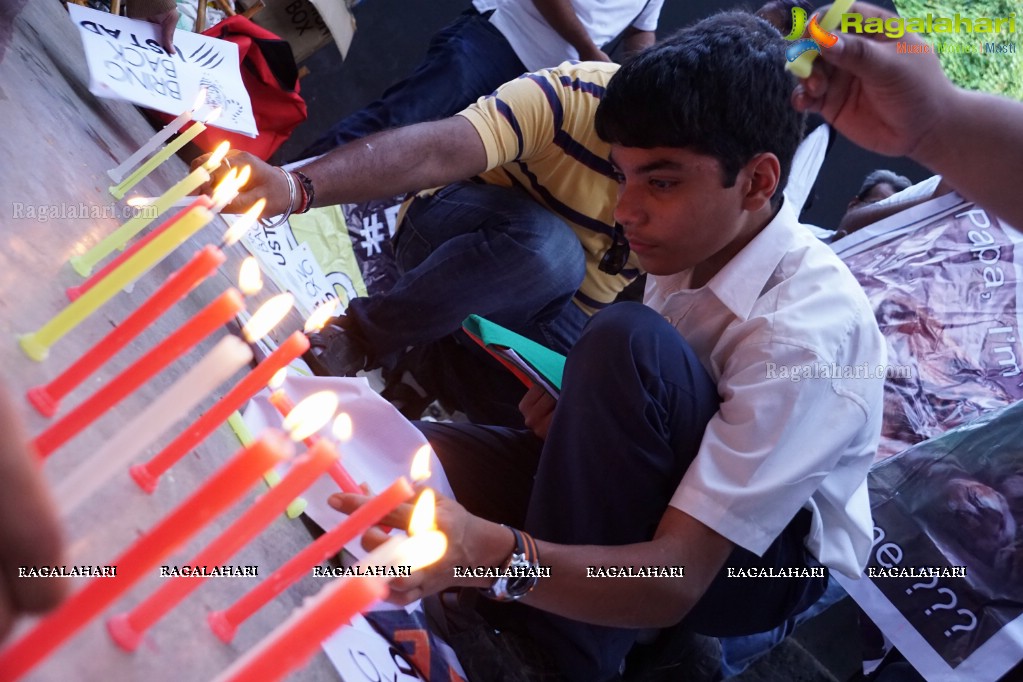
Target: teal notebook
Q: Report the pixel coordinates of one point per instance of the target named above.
(531, 362)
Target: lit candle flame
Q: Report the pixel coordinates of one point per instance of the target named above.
(213, 115)
(424, 514)
(420, 470)
(200, 100)
(139, 202)
(267, 317)
(243, 224)
(343, 427)
(243, 176)
(277, 380)
(217, 156)
(319, 316)
(226, 189)
(250, 279)
(425, 544)
(422, 550)
(311, 415)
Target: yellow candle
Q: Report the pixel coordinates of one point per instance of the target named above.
(37, 344)
(803, 64)
(84, 264)
(196, 129)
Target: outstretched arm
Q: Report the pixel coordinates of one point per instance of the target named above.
(894, 105)
(391, 162)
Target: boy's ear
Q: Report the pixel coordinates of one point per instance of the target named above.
(761, 173)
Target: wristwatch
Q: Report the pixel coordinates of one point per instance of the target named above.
(524, 559)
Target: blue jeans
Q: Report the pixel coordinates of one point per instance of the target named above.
(739, 653)
(634, 405)
(465, 61)
(474, 248)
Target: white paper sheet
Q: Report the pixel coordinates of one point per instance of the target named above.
(381, 449)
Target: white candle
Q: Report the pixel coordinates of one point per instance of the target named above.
(119, 172)
(120, 189)
(226, 358)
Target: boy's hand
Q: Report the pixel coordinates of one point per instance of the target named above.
(465, 533)
(537, 407)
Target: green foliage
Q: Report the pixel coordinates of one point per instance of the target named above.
(1000, 73)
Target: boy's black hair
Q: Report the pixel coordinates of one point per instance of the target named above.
(718, 87)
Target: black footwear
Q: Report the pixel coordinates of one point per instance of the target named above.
(407, 396)
(334, 352)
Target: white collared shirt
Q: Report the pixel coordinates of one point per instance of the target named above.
(790, 338)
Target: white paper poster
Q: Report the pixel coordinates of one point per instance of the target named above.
(126, 61)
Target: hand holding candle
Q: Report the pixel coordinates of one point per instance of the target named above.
(293, 642)
(84, 264)
(225, 623)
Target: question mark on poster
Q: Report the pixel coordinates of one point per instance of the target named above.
(926, 586)
(942, 606)
(959, 627)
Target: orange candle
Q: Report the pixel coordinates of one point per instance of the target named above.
(225, 623)
(216, 495)
(208, 320)
(280, 400)
(289, 646)
(148, 475)
(127, 629)
(74, 292)
(47, 398)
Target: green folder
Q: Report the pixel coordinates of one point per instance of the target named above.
(531, 362)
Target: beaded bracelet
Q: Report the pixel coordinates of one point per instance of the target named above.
(308, 192)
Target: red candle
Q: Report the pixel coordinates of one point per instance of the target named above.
(213, 316)
(75, 292)
(148, 475)
(216, 495)
(127, 629)
(291, 644)
(225, 623)
(344, 480)
(204, 263)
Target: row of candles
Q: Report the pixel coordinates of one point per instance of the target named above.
(294, 641)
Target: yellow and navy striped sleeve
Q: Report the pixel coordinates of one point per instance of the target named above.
(538, 134)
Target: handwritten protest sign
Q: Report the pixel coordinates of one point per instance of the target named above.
(126, 61)
(316, 265)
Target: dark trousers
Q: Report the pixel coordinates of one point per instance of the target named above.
(631, 416)
(473, 248)
(465, 61)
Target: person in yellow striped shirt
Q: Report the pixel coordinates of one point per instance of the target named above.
(516, 232)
